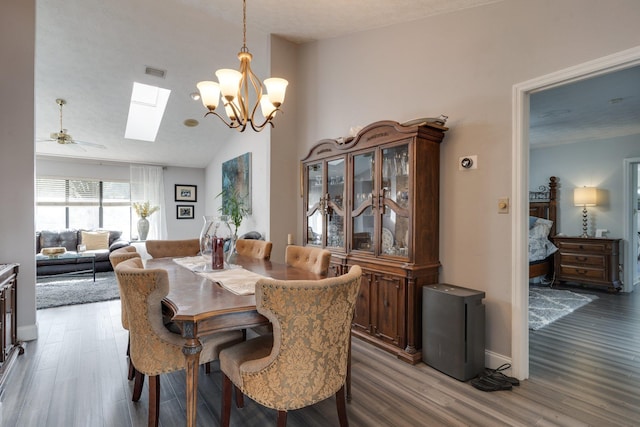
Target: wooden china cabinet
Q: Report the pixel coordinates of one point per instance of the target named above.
(372, 200)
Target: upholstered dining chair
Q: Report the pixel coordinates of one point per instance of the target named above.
(173, 248)
(305, 360)
(116, 257)
(258, 249)
(315, 260)
(154, 349)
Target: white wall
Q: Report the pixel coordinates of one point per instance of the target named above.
(17, 48)
(591, 164)
(464, 65)
(176, 228)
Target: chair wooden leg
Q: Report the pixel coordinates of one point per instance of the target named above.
(282, 418)
(239, 398)
(349, 371)
(137, 386)
(132, 369)
(154, 400)
(342, 407)
(225, 415)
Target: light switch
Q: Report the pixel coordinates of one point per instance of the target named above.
(503, 205)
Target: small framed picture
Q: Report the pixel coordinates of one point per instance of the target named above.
(186, 193)
(184, 212)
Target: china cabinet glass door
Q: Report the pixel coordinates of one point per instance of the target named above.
(314, 208)
(335, 203)
(362, 218)
(325, 182)
(394, 201)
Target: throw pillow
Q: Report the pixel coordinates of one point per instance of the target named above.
(95, 240)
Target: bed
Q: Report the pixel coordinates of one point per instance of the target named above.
(543, 212)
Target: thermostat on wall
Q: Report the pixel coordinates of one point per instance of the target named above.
(468, 162)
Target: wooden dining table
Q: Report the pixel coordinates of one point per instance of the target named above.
(200, 307)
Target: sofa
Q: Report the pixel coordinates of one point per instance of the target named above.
(95, 242)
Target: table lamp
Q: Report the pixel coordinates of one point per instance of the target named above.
(585, 196)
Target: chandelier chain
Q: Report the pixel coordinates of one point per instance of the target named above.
(244, 26)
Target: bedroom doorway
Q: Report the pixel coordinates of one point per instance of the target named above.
(631, 223)
(520, 180)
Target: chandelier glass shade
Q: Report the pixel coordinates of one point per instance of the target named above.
(236, 87)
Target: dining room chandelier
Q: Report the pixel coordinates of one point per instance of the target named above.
(234, 87)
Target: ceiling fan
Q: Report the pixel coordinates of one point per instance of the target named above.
(63, 137)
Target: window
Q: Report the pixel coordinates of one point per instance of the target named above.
(82, 204)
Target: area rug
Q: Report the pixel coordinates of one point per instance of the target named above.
(547, 305)
(57, 291)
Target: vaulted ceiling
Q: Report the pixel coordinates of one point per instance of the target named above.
(90, 52)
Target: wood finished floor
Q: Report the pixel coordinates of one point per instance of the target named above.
(584, 368)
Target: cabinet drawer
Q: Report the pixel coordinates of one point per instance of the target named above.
(593, 247)
(577, 272)
(580, 260)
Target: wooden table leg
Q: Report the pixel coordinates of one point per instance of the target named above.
(191, 351)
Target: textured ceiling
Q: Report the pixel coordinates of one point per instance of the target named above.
(89, 52)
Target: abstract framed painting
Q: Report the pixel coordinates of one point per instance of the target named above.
(236, 178)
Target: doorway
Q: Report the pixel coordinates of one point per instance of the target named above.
(520, 180)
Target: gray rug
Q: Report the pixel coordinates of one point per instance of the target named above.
(547, 305)
(57, 291)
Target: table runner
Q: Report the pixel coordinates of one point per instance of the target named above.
(235, 278)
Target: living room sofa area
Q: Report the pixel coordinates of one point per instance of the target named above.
(98, 242)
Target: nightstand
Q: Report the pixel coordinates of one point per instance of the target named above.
(590, 260)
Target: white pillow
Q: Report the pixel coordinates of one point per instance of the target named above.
(541, 228)
(95, 240)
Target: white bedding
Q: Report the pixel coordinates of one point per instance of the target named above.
(540, 247)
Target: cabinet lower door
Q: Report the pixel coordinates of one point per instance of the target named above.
(362, 312)
(388, 309)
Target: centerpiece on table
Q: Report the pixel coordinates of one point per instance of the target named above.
(144, 210)
(234, 207)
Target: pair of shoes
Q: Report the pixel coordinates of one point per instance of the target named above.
(490, 384)
(497, 374)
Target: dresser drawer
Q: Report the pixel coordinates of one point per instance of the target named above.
(582, 259)
(577, 272)
(594, 247)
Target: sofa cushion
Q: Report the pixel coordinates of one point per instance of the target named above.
(64, 238)
(94, 240)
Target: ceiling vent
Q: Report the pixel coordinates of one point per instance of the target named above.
(155, 72)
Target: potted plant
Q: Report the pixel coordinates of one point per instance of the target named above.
(233, 206)
(143, 210)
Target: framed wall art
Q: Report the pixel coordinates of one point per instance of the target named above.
(236, 179)
(186, 193)
(184, 212)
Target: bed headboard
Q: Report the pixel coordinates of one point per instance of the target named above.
(543, 203)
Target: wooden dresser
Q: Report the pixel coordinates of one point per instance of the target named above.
(9, 346)
(590, 260)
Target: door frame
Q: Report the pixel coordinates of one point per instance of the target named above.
(630, 177)
(520, 184)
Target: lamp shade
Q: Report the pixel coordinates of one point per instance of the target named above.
(585, 196)
(209, 94)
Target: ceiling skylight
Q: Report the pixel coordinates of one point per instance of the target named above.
(145, 111)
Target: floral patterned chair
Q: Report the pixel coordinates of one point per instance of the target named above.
(305, 360)
(315, 260)
(173, 248)
(258, 249)
(116, 257)
(155, 349)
